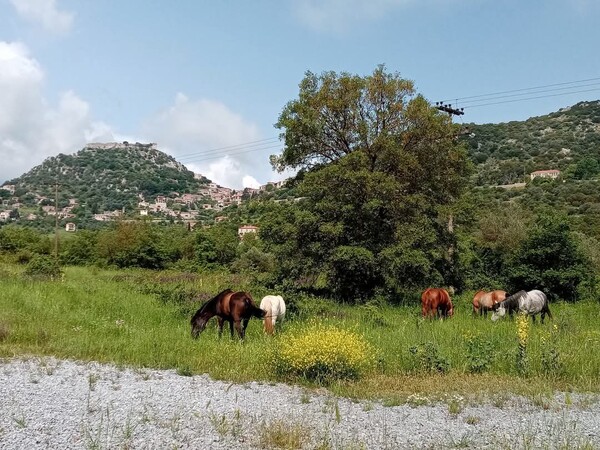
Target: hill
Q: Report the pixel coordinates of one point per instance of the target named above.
(568, 140)
(107, 177)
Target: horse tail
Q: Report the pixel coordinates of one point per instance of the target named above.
(547, 309)
(269, 328)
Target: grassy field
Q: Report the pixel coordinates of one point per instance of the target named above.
(141, 319)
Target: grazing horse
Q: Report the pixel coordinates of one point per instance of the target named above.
(485, 301)
(235, 307)
(436, 302)
(529, 303)
(274, 308)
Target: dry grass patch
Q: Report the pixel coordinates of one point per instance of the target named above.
(282, 435)
(475, 388)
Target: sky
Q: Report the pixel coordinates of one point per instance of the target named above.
(206, 80)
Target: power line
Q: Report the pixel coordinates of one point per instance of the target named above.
(533, 93)
(550, 90)
(524, 89)
(532, 98)
(229, 154)
(231, 147)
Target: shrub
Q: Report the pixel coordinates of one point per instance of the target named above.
(323, 354)
(428, 358)
(480, 353)
(43, 266)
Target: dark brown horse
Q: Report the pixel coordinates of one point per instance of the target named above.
(235, 307)
(436, 302)
(485, 301)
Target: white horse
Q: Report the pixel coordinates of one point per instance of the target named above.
(529, 303)
(274, 308)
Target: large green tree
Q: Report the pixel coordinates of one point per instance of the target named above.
(381, 170)
(550, 259)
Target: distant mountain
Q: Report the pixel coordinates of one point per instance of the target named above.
(568, 140)
(108, 176)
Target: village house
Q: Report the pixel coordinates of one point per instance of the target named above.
(554, 174)
(70, 226)
(9, 187)
(4, 216)
(245, 229)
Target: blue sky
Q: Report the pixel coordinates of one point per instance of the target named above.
(208, 79)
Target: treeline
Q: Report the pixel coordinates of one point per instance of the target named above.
(512, 250)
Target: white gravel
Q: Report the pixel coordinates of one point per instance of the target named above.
(49, 403)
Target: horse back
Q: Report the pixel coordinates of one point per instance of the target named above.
(491, 298)
(477, 297)
(534, 301)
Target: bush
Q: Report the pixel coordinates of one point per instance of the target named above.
(323, 354)
(43, 266)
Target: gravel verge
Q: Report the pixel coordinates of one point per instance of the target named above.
(50, 403)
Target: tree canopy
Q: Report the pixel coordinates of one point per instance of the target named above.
(381, 169)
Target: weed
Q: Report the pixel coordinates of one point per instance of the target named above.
(465, 441)
(338, 416)
(220, 424)
(455, 405)
(20, 421)
(184, 371)
(542, 401)
(416, 400)
(367, 406)
(551, 362)
(4, 331)
(472, 420)
(305, 398)
(479, 353)
(522, 360)
(92, 380)
(429, 358)
(283, 435)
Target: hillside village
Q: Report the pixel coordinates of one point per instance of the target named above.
(181, 206)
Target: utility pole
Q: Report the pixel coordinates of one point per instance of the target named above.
(451, 112)
(449, 109)
(56, 221)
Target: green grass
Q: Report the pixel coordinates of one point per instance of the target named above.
(105, 316)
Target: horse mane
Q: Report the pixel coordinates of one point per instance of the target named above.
(512, 302)
(211, 302)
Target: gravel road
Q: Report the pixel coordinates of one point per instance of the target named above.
(49, 403)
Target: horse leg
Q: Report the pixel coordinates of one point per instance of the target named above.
(239, 329)
(231, 328)
(245, 325)
(220, 321)
(543, 315)
(533, 318)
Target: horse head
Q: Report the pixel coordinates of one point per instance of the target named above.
(199, 321)
(499, 311)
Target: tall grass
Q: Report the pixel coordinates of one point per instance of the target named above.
(118, 317)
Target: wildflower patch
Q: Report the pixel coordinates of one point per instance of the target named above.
(323, 354)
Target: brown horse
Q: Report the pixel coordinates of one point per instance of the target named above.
(436, 302)
(485, 301)
(235, 307)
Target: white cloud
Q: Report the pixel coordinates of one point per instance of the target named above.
(46, 13)
(30, 128)
(340, 15)
(211, 139)
(250, 181)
